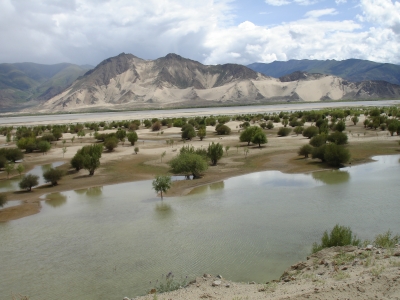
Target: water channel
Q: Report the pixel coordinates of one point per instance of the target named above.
(110, 242)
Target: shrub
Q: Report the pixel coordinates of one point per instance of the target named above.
(337, 137)
(284, 131)
(339, 236)
(132, 137)
(215, 152)
(336, 155)
(29, 181)
(156, 126)
(110, 143)
(270, 125)
(386, 240)
(318, 140)
(311, 131)
(223, 130)
(305, 150)
(53, 176)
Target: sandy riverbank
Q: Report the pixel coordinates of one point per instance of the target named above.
(334, 273)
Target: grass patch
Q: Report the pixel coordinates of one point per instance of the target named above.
(169, 283)
(386, 240)
(341, 275)
(377, 271)
(342, 258)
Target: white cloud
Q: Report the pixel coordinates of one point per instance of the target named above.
(286, 2)
(321, 12)
(88, 31)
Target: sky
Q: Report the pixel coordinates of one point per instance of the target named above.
(208, 31)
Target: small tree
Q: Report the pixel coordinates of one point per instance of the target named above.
(120, 134)
(259, 138)
(20, 169)
(305, 150)
(337, 137)
(355, 120)
(311, 131)
(163, 154)
(201, 133)
(336, 155)
(284, 131)
(298, 130)
(44, 146)
(132, 137)
(64, 149)
(53, 176)
(188, 164)
(161, 184)
(223, 129)
(136, 150)
(110, 143)
(215, 152)
(29, 181)
(188, 132)
(227, 149)
(9, 167)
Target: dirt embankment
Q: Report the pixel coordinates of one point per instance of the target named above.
(333, 273)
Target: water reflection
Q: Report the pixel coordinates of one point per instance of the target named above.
(55, 199)
(217, 185)
(95, 191)
(3, 200)
(331, 177)
(163, 210)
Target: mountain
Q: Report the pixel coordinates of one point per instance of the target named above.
(128, 82)
(21, 82)
(351, 69)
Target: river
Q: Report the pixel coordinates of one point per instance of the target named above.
(110, 242)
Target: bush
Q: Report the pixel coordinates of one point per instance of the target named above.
(284, 131)
(270, 125)
(337, 137)
(110, 143)
(188, 164)
(29, 181)
(339, 236)
(311, 131)
(318, 140)
(132, 137)
(336, 155)
(386, 240)
(53, 176)
(188, 132)
(305, 150)
(223, 130)
(215, 152)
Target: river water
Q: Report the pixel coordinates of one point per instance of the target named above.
(184, 112)
(110, 242)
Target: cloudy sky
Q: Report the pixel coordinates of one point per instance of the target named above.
(209, 31)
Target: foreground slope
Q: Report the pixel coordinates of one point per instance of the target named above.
(128, 82)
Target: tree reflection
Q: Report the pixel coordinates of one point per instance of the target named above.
(331, 177)
(56, 199)
(217, 185)
(95, 191)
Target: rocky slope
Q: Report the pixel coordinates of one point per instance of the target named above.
(128, 82)
(334, 273)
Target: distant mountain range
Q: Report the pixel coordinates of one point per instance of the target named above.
(21, 82)
(128, 82)
(354, 70)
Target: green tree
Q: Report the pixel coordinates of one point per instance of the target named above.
(132, 137)
(392, 127)
(120, 134)
(336, 155)
(57, 133)
(9, 167)
(284, 131)
(20, 169)
(339, 236)
(91, 157)
(270, 125)
(188, 132)
(318, 140)
(259, 138)
(110, 143)
(305, 150)
(136, 150)
(355, 120)
(29, 181)
(77, 161)
(215, 152)
(161, 184)
(53, 176)
(337, 137)
(222, 129)
(188, 164)
(248, 133)
(340, 126)
(298, 130)
(43, 146)
(311, 131)
(201, 133)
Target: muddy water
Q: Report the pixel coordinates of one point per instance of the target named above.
(110, 242)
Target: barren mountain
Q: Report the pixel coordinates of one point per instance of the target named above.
(128, 82)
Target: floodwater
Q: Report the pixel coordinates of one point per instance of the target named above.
(12, 184)
(110, 242)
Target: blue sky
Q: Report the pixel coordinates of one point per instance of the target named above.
(209, 31)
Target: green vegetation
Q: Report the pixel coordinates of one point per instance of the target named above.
(284, 131)
(339, 236)
(170, 284)
(188, 163)
(53, 176)
(88, 158)
(215, 152)
(386, 240)
(161, 184)
(29, 181)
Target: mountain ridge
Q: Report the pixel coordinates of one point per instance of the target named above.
(350, 69)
